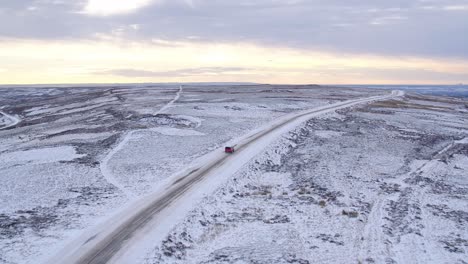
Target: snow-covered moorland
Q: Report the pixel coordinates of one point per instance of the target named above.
(382, 182)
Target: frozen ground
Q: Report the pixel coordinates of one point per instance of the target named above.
(459, 90)
(383, 183)
(78, 154)
(364, 184)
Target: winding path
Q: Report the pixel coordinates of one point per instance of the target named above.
(104, 165)
(14, 120)
(168, 105)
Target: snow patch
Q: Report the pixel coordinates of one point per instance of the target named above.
(328, 133)
(169, 131)
(40, 156)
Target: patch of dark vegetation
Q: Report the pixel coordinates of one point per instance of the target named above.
(292, 258)
(368, 260)
(90, 195)
(85, 105)
(250, 255)
(248, 214)
(404, 216)
(405, 104)
(276, 91)
(461, 149)
(360, 206)
(252, 191)
(277, 219)
(40, 219)
(455, 243)
(49, 98)
(116, 128)
(333, 239)
(458, 216)
(94, 117)
(438, 187)
(419, 180)
(168, 120)
(390, 188)
(304, 188)
(375, 110)
(350, 124)
(93, 150)
(198, 108)
(119, 114)
(427, 146)
(450, 190)
(174, 247)
(350, 214)
(37, 220)
(436, 99)
(234, 108)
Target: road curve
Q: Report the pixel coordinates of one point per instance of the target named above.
(14, 120)
(103, 247)
(104, 165)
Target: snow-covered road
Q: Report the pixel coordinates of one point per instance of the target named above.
(144, 222)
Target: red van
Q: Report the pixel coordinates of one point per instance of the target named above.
(229, 149)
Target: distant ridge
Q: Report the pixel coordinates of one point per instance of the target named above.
(459, 90)
(91, 85)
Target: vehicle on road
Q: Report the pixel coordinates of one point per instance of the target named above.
(229, 150)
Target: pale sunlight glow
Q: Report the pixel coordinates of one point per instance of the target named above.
(113, 61)
(114, 7)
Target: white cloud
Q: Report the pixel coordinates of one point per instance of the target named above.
(456, 8)
(426, 27)
(114, 7)
(190, 3)
(388, 20)
(135, 26)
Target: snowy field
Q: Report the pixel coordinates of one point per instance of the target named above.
(379, 183)
(459, 90)
(382, 183)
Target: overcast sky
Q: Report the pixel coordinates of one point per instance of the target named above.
(288, 41)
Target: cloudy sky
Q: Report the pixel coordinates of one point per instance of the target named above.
(268, 41)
